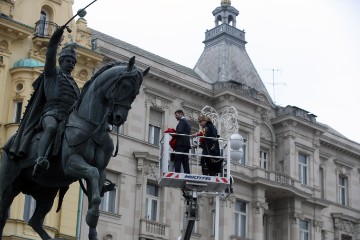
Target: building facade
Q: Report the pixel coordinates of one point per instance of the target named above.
(25, 30)
(298, 178)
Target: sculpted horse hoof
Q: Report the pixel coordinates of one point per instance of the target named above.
(92, 234)
(92, 218)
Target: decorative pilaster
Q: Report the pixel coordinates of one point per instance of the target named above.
(294, 225)
(227, 202)
(139, 170)
(259, 207)
(318, 225)
(258, 225)
(145, 167)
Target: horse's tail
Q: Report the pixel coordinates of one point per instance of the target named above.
(62, 192)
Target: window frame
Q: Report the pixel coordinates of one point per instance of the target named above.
(151, 135)
(303, 169)
(243, 160)
(304, 233)
(149, 200)
(264, 160)
(108, 202)
(18, 106)
(343, 190)
(155, 128)
(111, 199)
(238, 220)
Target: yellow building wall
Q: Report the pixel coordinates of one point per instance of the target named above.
(17, 42)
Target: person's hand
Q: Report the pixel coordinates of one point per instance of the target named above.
(59, 31)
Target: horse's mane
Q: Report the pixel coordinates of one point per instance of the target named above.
(96, 74)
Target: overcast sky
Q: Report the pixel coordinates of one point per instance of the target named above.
(311, 46)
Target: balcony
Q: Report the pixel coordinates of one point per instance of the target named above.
(42, 35)
(44, 29)
(279, 177)
(154, 230)
(278, 184)
(224, 28)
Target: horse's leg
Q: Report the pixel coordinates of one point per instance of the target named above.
(92, 230)
(5, 202)
(92, 234)
(44, 203)
(102, 177)
(77, 167)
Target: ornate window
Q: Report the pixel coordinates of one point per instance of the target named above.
(17, 111)
(264, 158)
(240, 218)
(303, 168)
(304, 230)
(322, 181)
(109, 200)
(243, 160)
(152, 202)
(342, 187)
(155, 126)
(42, 29)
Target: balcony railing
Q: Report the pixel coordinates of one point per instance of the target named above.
(225, 28)
(279, 178)
(154, 229)
(44, 28)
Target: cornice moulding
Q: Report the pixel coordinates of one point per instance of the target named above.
(158, 93)
(343, 163)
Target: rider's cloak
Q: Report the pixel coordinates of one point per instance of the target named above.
(19, 145)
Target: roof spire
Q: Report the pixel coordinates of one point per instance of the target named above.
(225, 2)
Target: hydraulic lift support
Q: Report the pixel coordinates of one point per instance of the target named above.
(190, 192)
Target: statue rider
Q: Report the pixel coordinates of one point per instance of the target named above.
(61, 92)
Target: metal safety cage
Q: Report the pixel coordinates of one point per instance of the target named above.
(195, 180)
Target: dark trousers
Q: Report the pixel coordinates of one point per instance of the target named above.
(182, 159)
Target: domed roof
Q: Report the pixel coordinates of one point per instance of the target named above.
(28, 63)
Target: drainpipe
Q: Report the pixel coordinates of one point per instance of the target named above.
(80, 206)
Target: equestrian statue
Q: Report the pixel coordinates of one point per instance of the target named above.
(64, 136)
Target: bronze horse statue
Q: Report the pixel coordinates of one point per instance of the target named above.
(85, 151)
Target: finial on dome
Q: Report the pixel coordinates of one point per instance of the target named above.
(225, 2)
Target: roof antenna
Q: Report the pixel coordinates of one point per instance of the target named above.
(273, 80)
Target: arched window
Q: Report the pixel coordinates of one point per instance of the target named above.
(42, 25)
(231, 20)
(218, 20)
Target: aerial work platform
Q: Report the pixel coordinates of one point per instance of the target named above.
(169, 178)
(194, 185)
(184, 180)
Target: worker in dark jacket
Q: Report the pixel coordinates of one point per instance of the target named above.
(210, 146)
(182, 142)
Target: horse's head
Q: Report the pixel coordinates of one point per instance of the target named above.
(123, 92)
